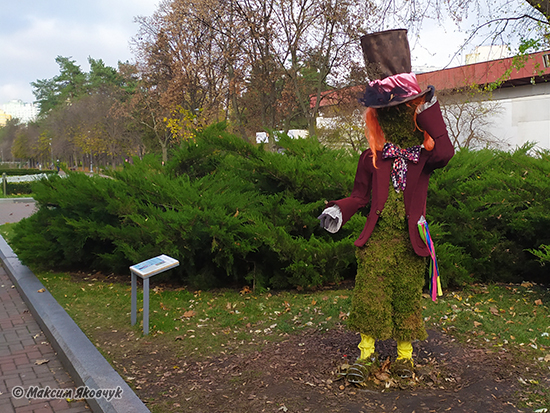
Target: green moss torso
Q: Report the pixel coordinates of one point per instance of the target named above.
(387, 296)
(398, 126)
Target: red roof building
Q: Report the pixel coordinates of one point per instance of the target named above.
(512, 71)
(521, 89)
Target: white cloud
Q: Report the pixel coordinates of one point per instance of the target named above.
(34, 32)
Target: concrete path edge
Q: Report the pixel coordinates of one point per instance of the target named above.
(79, 356)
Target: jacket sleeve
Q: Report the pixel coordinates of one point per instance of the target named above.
(431, 120)
(362, 186)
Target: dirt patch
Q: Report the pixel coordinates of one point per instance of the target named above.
(299, 374)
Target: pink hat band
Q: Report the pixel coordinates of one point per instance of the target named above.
(391, 90)
(405, 81)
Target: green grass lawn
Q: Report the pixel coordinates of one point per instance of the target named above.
(205, 322)
(513, 317)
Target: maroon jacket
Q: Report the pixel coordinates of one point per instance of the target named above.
(369, 179)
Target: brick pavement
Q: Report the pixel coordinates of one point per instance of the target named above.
(23, 349)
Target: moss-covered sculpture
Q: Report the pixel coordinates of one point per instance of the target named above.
(408, 140)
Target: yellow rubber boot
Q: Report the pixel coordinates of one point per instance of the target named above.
(404, 365)
(404, 350)
(366, 346)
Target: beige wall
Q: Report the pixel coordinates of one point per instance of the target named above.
(525, 116)
(4, 117)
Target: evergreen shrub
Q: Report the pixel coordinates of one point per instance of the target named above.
(233, 214)
(492, 207)
(230, 212)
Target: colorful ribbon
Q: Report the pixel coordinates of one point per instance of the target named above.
(399, 167)
(435, 282)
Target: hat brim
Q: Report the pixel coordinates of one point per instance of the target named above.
(395, 101)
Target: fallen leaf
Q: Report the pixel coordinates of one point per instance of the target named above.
(538, 302)
(547, 358)
(41, 361)
(477, 324)
(382, 376)
(494, 311)
(41, 290)
(189, 313)
(385, 367)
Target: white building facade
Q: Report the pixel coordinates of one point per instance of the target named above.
(523, 95)
(25, 112)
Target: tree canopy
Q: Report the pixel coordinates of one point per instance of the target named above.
(255, 64)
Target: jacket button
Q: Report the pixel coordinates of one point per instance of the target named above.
(377, 212)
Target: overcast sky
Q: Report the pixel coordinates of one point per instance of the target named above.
(34, 32)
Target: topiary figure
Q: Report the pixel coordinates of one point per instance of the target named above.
(408, 140)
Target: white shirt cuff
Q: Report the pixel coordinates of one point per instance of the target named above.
(421, 108)
(334, 212)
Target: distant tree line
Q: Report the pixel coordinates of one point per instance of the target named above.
(255, 64)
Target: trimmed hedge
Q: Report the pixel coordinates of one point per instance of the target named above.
(492, 208)
(20, 188)
(233, 213)
(230, 212)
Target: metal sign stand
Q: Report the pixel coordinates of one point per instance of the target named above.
(145, 270)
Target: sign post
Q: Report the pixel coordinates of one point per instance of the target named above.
(145, 270)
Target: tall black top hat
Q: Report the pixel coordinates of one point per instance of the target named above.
(388, 63)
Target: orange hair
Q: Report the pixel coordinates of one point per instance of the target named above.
(375, 135)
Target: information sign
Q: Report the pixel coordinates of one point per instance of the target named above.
(145, 270)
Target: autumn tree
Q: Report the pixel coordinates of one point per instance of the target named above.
(83, 115)
(257, 62)
(493, 22)
(179, 65)
(469, 116)
(7, 137)
(320, 42)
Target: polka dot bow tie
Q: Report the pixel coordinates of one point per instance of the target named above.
(399, 168)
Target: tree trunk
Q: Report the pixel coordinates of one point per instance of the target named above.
(164, 147)
(543, 6)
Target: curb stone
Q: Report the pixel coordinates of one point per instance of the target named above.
(78, 355)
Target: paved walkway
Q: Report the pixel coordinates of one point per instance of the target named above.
(27, 358)
(14, 209)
